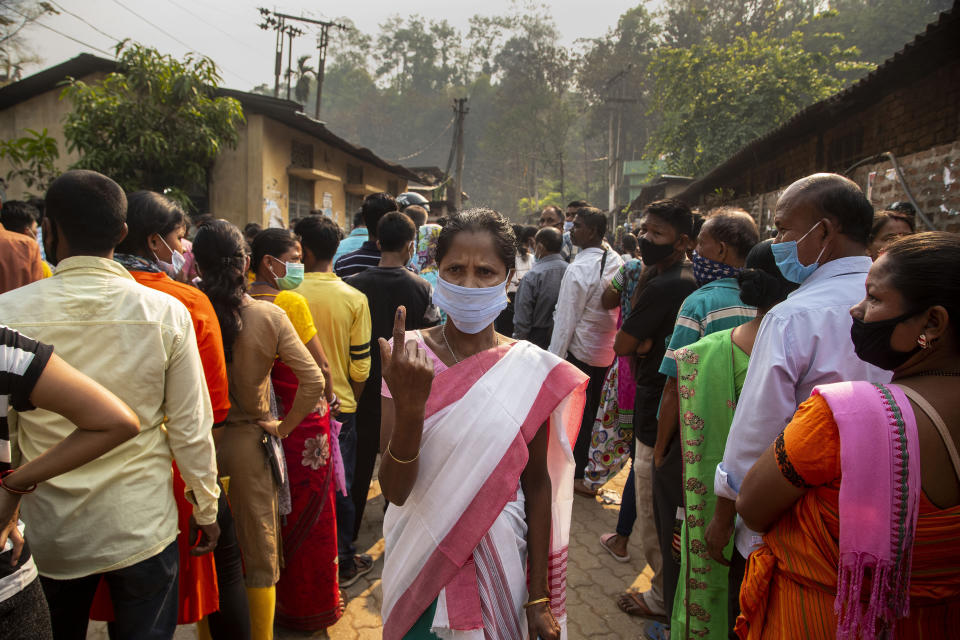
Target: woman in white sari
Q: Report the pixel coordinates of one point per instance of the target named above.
(477, 462)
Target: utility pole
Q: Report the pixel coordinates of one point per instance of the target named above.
(278, 21)
(460, 108)
(322, 41)
(613, 145)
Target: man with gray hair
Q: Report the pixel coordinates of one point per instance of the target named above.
(539, 289)
(823, 226)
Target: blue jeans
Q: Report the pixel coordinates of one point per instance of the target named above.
(144, 599)
(346, 510)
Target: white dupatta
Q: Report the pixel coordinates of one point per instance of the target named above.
(460, 537)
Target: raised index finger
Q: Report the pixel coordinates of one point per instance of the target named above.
(399, 330)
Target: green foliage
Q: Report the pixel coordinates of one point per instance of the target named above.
(32, 157)
(530, 207)
(714, 99)
(154, 124)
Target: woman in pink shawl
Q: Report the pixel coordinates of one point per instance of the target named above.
(476, 458)
(860, 494)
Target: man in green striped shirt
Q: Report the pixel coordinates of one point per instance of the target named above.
(727, 236)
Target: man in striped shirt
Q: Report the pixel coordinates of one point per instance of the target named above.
(374, 207)
(724, 241)
(32, 376)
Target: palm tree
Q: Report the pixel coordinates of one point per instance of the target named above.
(302, 89)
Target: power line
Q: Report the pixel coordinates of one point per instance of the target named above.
(207, 22)
(431, 143)
(176, 39)
(60, 33)
(83, 20)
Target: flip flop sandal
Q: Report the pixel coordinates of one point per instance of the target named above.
(604, 539)
(638, 602)
(657, 631)
(363, 564)
(610, 497)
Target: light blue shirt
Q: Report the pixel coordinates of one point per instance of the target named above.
(352, 242)
(803, 341)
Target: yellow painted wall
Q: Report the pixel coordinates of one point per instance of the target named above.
(43, 110)
(277, 143)
(235, 188)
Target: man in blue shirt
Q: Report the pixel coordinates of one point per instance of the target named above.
(356, 238)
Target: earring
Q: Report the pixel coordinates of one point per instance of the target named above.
(922, 341)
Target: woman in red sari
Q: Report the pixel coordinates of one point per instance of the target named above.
(308, 594)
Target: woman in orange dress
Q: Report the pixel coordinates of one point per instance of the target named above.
(860, 495)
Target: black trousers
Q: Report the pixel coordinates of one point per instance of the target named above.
(581, 450)
(232, 620)
(25, 616)
(144, 599)
(667, 498)
(368, 446)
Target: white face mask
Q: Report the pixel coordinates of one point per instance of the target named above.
(177, 261)
(470, 309)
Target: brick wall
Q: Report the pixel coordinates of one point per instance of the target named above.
(911, 108)
(933, 176)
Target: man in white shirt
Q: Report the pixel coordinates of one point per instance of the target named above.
(823, 225)
(583, 331)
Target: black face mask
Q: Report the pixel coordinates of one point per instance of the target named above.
(652, 253)
(871, 342)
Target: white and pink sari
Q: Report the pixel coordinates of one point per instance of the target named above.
(460, 538)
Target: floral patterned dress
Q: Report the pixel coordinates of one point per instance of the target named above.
(711, 373)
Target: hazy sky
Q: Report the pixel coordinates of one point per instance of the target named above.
(226, 30)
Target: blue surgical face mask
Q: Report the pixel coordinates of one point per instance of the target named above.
(568, 225)
(175, 266)
(785, 253)
(470, 309)
(292, 278)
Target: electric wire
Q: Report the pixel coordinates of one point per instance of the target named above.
(60, 33)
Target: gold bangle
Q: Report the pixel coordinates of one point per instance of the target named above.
(537, 601)
(398, 460)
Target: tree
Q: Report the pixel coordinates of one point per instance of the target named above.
(15, 16)
(156, 123)
(713, 99)
(301, 90)
(33, 159)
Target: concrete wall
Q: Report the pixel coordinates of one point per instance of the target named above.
(262, 161)
(41, 111)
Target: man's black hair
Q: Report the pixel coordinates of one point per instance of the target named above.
(395, 231)
(374, 207)
(578, 204)
(629, 243)
(550, 238)
(594, 219)
(358, 220)
(676, 213)
(17, 216)
(320, 235)
(89, 209)
(418, 214)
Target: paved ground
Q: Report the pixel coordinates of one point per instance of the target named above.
(594, 580)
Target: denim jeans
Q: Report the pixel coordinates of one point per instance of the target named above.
(144, 599)
(346, 510)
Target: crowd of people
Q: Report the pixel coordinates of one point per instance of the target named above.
(194, 424)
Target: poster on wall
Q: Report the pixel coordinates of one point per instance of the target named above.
(328, 204)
